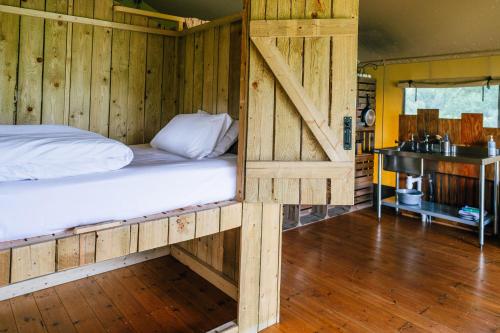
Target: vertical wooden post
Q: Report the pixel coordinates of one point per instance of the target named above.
(260, 266)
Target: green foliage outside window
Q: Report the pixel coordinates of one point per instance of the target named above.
(452, 102)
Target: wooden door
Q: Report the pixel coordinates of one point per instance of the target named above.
(301, 88)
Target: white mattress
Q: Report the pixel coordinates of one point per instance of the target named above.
(154, 182)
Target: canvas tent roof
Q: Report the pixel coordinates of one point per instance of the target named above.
(392, 29)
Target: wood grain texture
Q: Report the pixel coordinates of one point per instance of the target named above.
(207, 222)
(427, 122)
(46, 254)
(385, 299)
(154, 82)
(407, 127)
(112, 243)
(101, 70)
(157, 295)
(234, 80)
(344, 93)
(230, 217)
(134, 238)
(260, 117)
(4, 267)
(153, 234)
(74, 73)
(270, 272)
(9, 56)
(317, 87)
(119, 78)
(287, 131)
(54, 69)
(452, 127)
(188, 86)
(210, 63)
(106, 79)
(224, 49)
(136, 83)
(26, 314)
(181, 228)
(81, 67)
(319, 139)
(53, 312)
(323, 27)
(173, 49)
(198, 72)
(30, 72)
(33, 260)
(7, 320)
(248, 301)
(87, 248)
(68, 253)
(471, 130)
(230, 259)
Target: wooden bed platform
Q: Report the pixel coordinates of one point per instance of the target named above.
(35, 257)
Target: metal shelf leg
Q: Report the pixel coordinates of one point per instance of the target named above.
(481, 205)
(379, 188)
(397, 188)
(495, 198)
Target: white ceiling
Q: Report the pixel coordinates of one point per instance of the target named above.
(392, 29)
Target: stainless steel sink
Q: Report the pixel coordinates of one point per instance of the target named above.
(408, 165)
(405, 160)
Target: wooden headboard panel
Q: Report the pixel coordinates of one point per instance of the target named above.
(122, 84)
(209, 70)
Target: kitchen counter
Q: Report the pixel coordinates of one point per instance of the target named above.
(467, 155)
(411, 162)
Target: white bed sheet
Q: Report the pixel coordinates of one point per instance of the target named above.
(154, 182)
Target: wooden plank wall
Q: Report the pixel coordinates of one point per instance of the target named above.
(209, 70)
(326, 67)
(455, 184)
(209, 80)
(100, 79)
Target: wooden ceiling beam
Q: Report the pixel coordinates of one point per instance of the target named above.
(148, 13)
(84, 20)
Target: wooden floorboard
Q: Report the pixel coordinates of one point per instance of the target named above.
(161, 295)
(351, 274)
(347, 274)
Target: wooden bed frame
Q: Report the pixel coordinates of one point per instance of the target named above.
(288, 74)
(33, 257)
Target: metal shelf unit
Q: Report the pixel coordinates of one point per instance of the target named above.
(437, 210)
(398, 161)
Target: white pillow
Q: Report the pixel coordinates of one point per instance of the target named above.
(227, 140)
(53, 151)
(225, 127)
(191, 135)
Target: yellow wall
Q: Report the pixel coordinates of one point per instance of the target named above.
(389, 101)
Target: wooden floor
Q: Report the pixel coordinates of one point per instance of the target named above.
(350, 274)
(157, 296)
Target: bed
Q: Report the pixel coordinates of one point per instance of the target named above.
(160, 181)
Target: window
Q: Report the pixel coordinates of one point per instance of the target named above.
(452, 102)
